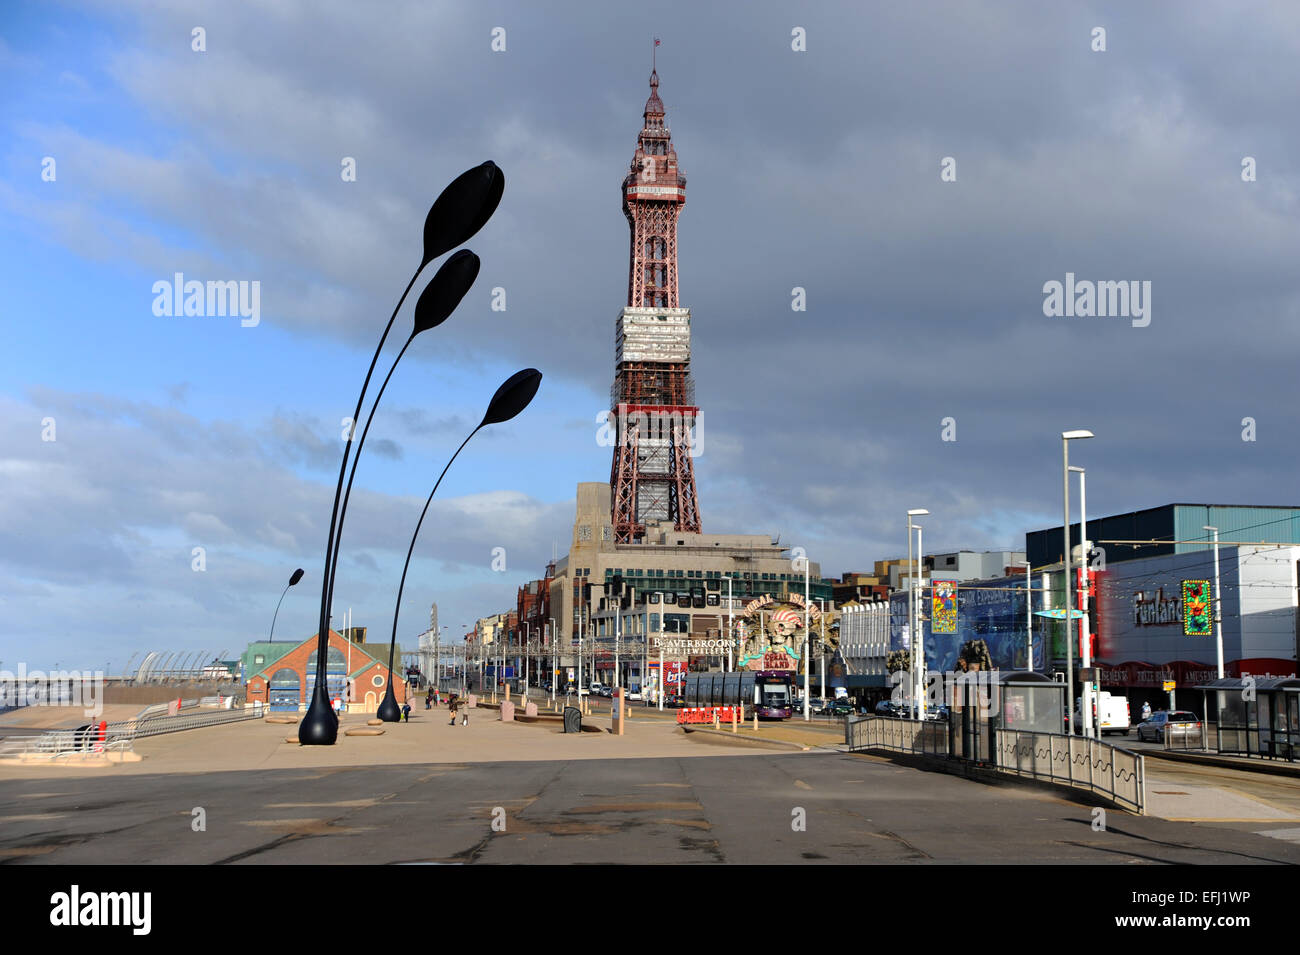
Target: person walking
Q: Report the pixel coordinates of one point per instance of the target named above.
(406, 711)
(1146, 711)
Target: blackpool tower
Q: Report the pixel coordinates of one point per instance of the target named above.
(653, 399)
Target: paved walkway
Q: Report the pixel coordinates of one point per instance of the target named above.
(427, 738)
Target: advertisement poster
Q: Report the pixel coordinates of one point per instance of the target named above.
(943, 607)
(1196, 608)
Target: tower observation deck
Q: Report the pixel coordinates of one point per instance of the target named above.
(652, 477)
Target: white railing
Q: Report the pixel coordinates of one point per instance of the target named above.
(122, 734)
(1074, 760)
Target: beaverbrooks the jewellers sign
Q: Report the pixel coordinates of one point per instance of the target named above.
(689, 646)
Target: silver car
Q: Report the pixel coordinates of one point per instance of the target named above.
(1181, 725)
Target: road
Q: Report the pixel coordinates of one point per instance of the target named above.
(672, 810)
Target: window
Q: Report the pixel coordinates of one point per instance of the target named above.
(378, 680)
(258, 658)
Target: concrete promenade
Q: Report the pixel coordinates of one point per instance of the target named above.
(492, 792)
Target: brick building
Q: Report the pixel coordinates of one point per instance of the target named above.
(282, 674)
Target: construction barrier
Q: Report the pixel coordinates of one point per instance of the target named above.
(709, 714)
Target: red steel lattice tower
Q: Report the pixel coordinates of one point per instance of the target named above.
(652, 477)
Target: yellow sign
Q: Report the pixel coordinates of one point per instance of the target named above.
(1169, 685)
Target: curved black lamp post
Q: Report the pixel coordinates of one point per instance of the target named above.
(458, 213)
(297, 576)
(511, 398)
(435, 304)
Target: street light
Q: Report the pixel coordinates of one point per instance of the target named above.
(293, 579)
(510, 399)
(1218, 604)
(918, 649)
(1066, 438)
(458, 213)
(1085, 634)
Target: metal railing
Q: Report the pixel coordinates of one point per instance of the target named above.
(928, 737)
(122, 734)
(1074, 760)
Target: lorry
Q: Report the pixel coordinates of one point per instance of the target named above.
(1110, 714)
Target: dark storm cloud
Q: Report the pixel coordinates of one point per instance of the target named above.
(817, 170)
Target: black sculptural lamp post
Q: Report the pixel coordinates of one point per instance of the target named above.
(459, 212)
(296, 576)
(510, 399)
(434, 306)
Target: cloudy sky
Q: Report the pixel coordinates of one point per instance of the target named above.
(815, 168)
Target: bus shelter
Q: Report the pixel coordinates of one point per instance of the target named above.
(1255, 715)
(985, 702)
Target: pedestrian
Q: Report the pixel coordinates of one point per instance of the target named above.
(1146, 711)
(464, 717)
(428, 701)
(406, 711)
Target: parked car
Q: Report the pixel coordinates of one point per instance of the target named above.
(1181, 725)
(889, 708)
(594, 687)
(606, 691)
(674, 700)
(839, 707)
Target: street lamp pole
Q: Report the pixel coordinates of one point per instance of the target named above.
(920, 627)
(1066, 438)
(731, 627)
(512, 397)
(911, 611)
(806, 643)
(293, 579)
(1218, 606)
(457, 214)
(1085, 635)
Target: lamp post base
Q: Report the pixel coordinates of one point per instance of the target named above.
(388, 710)
(320, 724)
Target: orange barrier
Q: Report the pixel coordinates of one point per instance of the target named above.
(706, 714)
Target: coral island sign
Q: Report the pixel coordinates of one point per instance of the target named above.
(770, 642)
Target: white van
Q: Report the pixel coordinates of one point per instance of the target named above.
(1111, 714)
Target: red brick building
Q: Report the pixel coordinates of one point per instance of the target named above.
(533, 607)
(282, 674)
